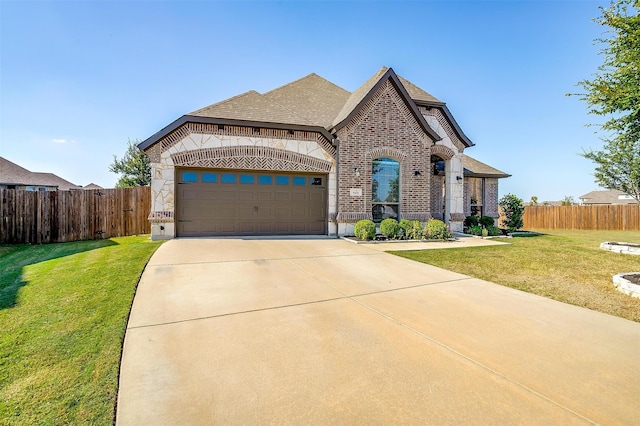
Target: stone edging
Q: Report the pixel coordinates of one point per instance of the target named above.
(625, 286)
(624, 248)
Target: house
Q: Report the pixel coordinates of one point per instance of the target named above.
(611, 196)
(312, 158)
(12, 176)
(92, 186)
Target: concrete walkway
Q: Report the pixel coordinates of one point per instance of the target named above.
(323, 331)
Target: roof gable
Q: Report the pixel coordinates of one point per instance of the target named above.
(360, 96)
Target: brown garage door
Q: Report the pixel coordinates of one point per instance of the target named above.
(244, 202)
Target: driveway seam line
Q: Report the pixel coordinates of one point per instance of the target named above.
(472, 360)
(293, 305)
(266, 259)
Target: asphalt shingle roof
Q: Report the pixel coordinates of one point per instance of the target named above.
(606, 197)
(13, 174)
(473, 167)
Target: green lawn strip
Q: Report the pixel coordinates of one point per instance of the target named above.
(63, 310)
(567, 266)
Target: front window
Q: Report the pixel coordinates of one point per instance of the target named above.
(385, 189)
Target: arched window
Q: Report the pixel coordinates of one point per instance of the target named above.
(385, 189)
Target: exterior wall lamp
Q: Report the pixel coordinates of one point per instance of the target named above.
(459, 177)
(417, 173)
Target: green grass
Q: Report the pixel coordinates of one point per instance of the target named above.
(563, 265)
(63, 310)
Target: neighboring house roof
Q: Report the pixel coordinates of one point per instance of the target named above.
(13, 174)
(611, 196)
(475, 168)
(310, 103)
(92, 186)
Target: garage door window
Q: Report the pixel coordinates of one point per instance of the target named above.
(247, 179)
(228, 178)
(265, 180)
(209, 177)
(189, 177)
(282, 180)
(299, 181)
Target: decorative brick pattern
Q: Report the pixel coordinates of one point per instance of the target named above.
(442, 151)
(244, 131)
(384, 127)
(345, 217)
(250, 157)
(438, 115)
(161, 217)
(422, 217)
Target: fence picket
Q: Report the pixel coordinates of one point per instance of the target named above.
(59, 216)
(621, 217)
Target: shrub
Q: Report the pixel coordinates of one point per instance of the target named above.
(470, 221)
(494, 230)
(405, 225)
(512, 209)
(487, 221)
(436, 229)
(475, 230)
(390, 228)
(365, 229)
(417, 231)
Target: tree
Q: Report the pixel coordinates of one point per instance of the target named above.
(134, 167)
(512, 209)
(534, 201)
(614, 93)
(568, 200)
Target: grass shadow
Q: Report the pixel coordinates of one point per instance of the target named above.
(14, 258)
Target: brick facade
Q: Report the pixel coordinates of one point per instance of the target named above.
(384, 127)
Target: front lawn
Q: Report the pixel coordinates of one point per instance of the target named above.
(563, 265)
(63, 310)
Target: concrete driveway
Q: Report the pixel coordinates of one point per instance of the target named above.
(323, 331)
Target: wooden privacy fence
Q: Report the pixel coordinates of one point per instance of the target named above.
(603, 217)
(60, 216)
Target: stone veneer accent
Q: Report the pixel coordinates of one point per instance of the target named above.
(234, 147)
(384, 127)
(442, 121)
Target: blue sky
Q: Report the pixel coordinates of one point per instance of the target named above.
(80, 78)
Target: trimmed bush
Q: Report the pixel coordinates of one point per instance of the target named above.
(390, 228)
(487, 221)
(470, 221)
(365, 229)
(437, 230)
(475, 230)
(494, 230)
(406, 225)
(417, 231)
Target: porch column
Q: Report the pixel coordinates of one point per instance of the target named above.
(454, 193)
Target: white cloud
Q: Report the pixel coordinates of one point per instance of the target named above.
(59, 140)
